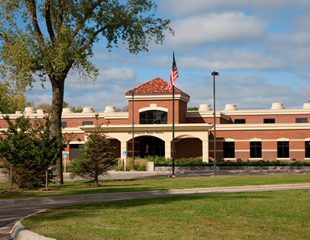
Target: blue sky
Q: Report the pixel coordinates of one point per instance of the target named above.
(260, 48)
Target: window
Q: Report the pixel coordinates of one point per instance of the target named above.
(229, 149)
(283, 149)
(255, 149)
(87, 123)
(269, 120)
(307, 149)
(301, 120)
(239, 121)
(153, 117)
(74, 150)
(63, 124)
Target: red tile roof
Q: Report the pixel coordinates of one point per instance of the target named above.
(156, 86)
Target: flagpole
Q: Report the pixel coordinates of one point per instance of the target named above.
(173, 131)
(133, 128)
(173, 76)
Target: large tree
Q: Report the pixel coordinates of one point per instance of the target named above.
(45, 39)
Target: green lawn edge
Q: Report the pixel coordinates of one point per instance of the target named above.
(158, 183)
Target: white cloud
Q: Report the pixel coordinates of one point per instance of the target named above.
(293, 39)
(224, 59)
(245, 92)
(106, 77)
(117, 55)
(294, 49)
(216, 28)
(181, 7)
(302, 21)
(232, 60)
(122, 73)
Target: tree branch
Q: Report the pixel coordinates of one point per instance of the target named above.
(81, 23)
(49, 26)
(4, 37)
(31, 6)
(60, 12)
(91, 39)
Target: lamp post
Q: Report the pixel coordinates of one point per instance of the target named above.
(214, 74)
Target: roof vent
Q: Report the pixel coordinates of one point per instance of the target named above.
(109, 109)
(40, 111)
(306, 105)
(230, 107)
(67, 110)
(277, 106)
(204, 108)
(88, 110)
(29, 110)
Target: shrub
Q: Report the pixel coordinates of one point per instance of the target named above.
(263, 163)
(161, 161)
(139, 164)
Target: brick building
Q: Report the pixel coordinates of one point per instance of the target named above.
(271, 134)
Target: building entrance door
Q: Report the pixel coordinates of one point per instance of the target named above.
(150, 146)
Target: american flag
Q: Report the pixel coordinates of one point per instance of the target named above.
(174, 74)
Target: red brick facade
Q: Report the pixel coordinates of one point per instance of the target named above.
(285, 139)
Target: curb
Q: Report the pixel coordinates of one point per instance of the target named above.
(19, 232)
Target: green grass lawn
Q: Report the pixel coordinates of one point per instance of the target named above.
(84, 187)
(262, 215)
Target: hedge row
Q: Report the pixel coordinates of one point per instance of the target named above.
(161, 161)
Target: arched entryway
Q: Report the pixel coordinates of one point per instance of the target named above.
(186, 147)
(146, 146)
(116, 145)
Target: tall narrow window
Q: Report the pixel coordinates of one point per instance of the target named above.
(74, 150)
(283, 149)
(229, 149)
(307, 149)
(255, 149)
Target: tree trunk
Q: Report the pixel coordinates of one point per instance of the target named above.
(96, 178)
(57, 103)
(46, 179)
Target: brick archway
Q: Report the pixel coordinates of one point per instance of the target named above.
(147, 146)
(188, 147)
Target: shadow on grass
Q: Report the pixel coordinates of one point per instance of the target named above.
(78, 188)
(89, 210)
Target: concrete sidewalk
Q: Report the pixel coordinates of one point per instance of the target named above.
(13, 210)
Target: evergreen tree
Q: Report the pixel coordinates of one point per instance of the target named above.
(30, 149)
(96, 157)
